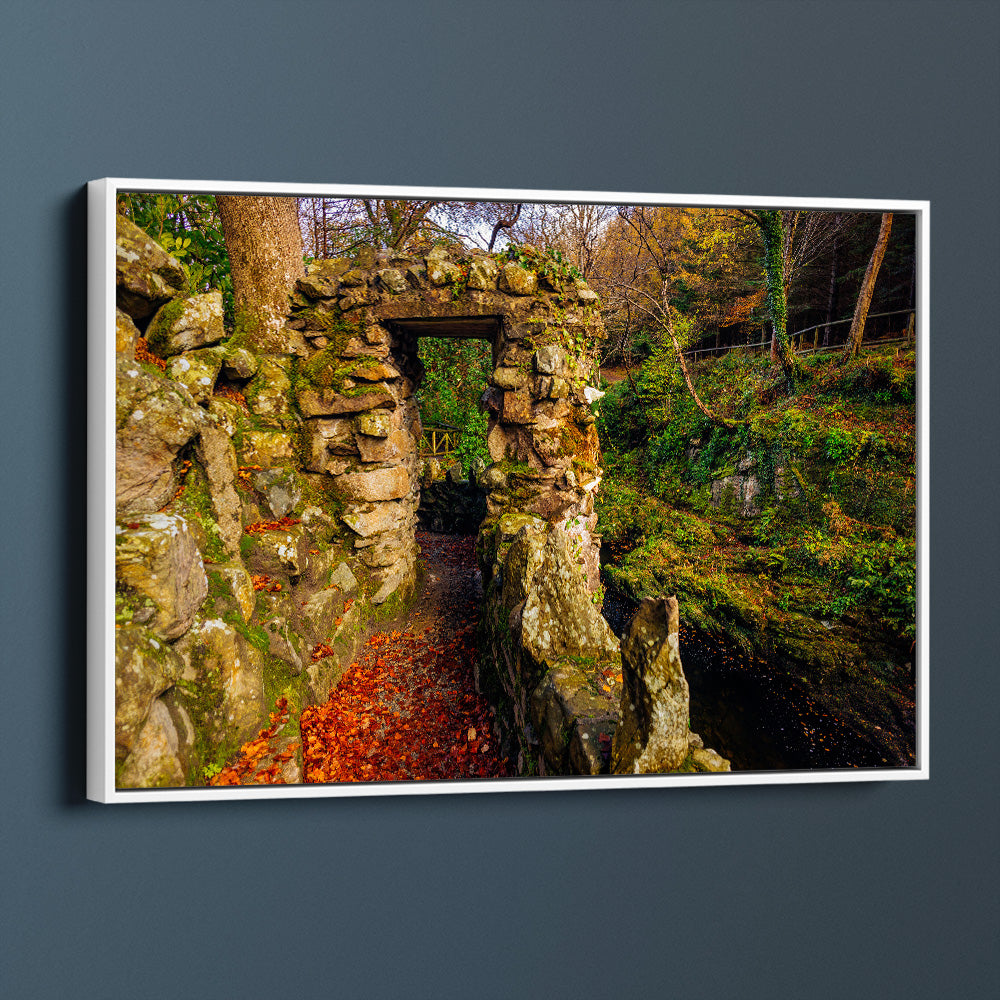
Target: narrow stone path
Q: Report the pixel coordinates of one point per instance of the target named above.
(408, 708)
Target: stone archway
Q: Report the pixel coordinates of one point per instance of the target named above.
(356, 324)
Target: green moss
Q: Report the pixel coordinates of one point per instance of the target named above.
(280, 682)
(195, 504)
(158, 331)
(246, 327)
(325, 370)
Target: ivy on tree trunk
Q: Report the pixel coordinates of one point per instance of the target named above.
(771, 230)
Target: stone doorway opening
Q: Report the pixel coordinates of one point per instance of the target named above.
(361, 321)
(455, 357)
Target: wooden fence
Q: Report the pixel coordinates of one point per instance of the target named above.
(439, 440)
(802, 345)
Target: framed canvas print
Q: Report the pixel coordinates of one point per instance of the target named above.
(415, 490)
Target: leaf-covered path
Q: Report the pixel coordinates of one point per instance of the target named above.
(408, 708)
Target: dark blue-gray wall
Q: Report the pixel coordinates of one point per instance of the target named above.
(875, 890)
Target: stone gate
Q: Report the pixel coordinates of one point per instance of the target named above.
(355, 325)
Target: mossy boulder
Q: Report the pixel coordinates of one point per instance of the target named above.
(374, 485)
(266, 447)
(559, 620)
(284, 643)
(223, 680)
(214, 450)
(146, 276)
(238, 363)
(322, 278)
(238, 585)
(653, 735)
(280, 490)
(283, 553)
(321, 402)
(323, 676)
(440, 270)
(368, 519)
(197, 371)
(159, 755)
(185, 324)
(574, 719)
(523, 560)
(126, 335)
(517, 280)
(331, 618)
(268, 393)
(483, 273)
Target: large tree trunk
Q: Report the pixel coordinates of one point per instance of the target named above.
(264, 244)
(867, 288)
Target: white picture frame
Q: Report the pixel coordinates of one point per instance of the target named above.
(100, 655)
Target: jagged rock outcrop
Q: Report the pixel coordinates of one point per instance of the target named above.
(653, 735)
(558, 618)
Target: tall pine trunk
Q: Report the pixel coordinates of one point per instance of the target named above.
(264, 244)
(853, 345)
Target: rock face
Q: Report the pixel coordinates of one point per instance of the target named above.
(156, 761)
(545, 650)
(655, 708)
(558, 619)
(219, 660)
(145, 667)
